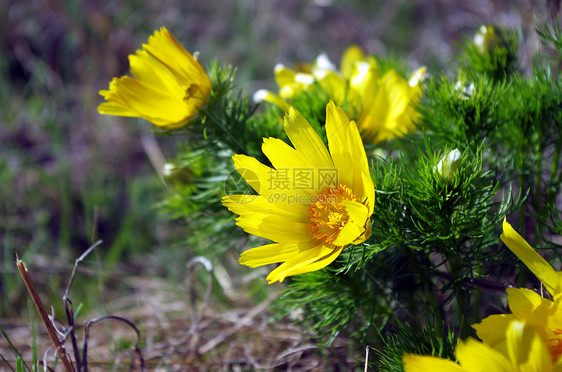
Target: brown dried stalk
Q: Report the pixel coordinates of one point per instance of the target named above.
(43, 314)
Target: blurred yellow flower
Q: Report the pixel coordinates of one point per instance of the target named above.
(313, 203)
(382, 105)
(527, 305)
(524, 351)
(169, 86)
(387, 103)
(551, 278)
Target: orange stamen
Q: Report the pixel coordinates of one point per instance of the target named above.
(327, 214)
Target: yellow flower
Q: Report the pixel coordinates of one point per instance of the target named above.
(381, 104)
(387, 103)
(313, 203)
(551, 278)
(169, 85)
(527, 305)
(524, 351)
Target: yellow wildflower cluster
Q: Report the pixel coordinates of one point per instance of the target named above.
(382, 104)
(528, 339)
(330, 195)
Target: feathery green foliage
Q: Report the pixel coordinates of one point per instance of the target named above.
(488, 145)
(414, 338)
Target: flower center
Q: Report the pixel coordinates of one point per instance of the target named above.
(327, 213)
(555, 345)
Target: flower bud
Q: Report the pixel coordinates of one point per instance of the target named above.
(449, 164)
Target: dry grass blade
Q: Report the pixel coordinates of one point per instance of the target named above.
(195, 315)
(44, 316)
(91, 322)
(69, 308)
(223, 336)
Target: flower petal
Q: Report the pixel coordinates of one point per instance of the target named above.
(274, 227)
(284, 75)
(283, 156)
(365, 81)
(346, 149)
(355, 227)
(265, 95)
(150, 71)
(306, 140)
(307, 261)
(529, 306)
(538, 265)
(492, 329)
(115, 109)
(169, 52)
(475, 356)
(255, 204)
(350, 57)
(149, 103)
(333, 84)
(383, 117)
(268, 254)
(526, 349)
(426, 363)
(262, 179)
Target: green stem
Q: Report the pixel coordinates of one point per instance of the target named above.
(461, 296)
(538, 200)
(554, 180)
(428, 290)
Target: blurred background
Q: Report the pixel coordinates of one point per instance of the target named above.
(69, 176)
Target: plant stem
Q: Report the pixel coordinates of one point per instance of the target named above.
(43, 314)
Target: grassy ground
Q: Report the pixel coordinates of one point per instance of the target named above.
(69, 176)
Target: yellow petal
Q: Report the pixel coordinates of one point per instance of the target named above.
(348, 154)
(424, 363)
(274, 227)
(268, 254)
(352, 55)
(333, 84)
(284, 75)
(254, 204)
(150, 71)
(306, 261)
(283, 156)
(554, 318)
(265, 95)
(365, 81)
(169, 52)
(278, 203)
(348, 234)
(115, 109)
(529, 306)
(355, 227)
(270, 184)
(538, 265)
(383, 117)
(526, 348)
(290, 82)
(149, 103)
(492, 329)
(476, 356)
(306, 140)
